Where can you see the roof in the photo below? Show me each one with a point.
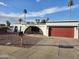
(61, 21)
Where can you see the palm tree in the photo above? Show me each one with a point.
(25, 12)
(70, 4)
(43, 21)
(8, 23)
(47, 19)
(37, 21)
(20, 20)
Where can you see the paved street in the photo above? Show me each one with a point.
(40, 47)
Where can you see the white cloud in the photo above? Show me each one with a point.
(9, 14)
(39, 13)
(38, 0)
(50, 11)
(3, 4)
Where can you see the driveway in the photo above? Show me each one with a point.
(46, 48)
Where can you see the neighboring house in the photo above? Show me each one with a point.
(3, 28)
(68, 29)
(2, 25)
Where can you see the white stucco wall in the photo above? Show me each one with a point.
(76, 33)
(45, 27)
(63, 24)
(74, 24)
(18, 25)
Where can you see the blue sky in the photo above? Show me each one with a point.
(38, 9)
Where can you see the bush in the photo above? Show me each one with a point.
(4, 29)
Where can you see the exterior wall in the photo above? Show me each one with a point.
(75, 24)
(42, 27)
(76, 33)
(47, 31)
(18, 25)
(63, 24)
(45, 27)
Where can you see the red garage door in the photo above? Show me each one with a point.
(61, 31)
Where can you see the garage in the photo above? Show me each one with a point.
(61, 31)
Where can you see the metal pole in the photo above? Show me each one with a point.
(59, 48)
(21, 41)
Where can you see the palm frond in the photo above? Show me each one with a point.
(70, 3)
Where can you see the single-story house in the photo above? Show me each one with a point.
(68, 29)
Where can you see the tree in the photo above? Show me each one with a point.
(43, 21)
(47, 19)
(25, 12)
(8, 23)
(20, 20)
(8, 26)
(70, 4)
(37, 20)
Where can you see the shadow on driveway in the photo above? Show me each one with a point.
(14, 40)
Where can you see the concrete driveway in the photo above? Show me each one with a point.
(50, 48)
